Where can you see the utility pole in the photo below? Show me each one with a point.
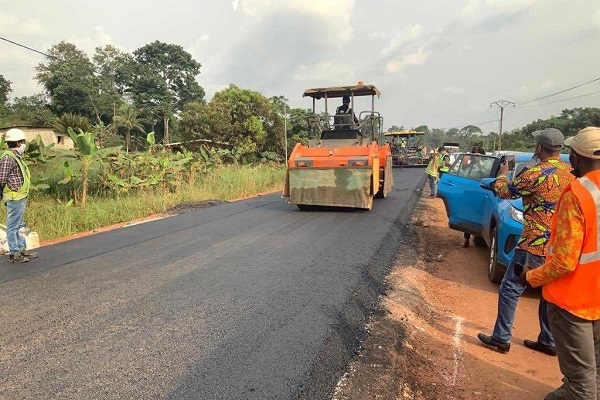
(285, 117)
(501, 104)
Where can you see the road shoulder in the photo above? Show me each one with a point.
(425, 346)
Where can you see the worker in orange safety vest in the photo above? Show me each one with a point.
(570, 276)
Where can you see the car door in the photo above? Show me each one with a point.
(463, 197)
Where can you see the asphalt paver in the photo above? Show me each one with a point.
(247, 300)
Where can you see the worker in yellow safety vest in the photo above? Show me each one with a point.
(433, 174)
(443, 161)
(15, 181)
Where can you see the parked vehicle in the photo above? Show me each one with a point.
(503, 220)
(472, 206)
(462, 194)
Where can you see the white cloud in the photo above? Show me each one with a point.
(99, 37)
(324, 73)
(15, 26)
(493, 15)
(336, 13)
(398, 38)
(452, 89)
(494, 7)
(400, 64)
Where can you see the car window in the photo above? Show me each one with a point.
(475, 166)
(456, 165)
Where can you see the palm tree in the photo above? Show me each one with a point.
(128, 118)
(69, 120)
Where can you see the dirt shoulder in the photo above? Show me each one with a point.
(426, 346)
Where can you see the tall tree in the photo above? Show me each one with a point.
(5, 89)
(246, 112)
(31, 110)
(161, 80)
(68, 77)
(107, 95)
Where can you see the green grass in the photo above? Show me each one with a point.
(51, 219)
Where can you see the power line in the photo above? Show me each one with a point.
(28, 48)
(560, 101)
(475, 124)
(562, 91)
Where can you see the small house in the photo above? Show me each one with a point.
(48, 135)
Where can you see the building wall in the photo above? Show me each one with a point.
(48, 137)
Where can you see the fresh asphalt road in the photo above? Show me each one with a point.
(246, 300)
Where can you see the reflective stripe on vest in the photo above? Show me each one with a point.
(23, 191)
(580, 289)
(595, 193)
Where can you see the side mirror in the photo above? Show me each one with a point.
(486, 183)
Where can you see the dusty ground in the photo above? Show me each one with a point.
(426, 346)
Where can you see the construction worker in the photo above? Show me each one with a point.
(570, 277)
(15, 182)
(540, 187)
(443, 161)
(432, 174)
(344, 114)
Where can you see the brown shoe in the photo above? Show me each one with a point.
(29, 254)
(17, 258)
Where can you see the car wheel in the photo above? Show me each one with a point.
(495, 272)
(479, 241)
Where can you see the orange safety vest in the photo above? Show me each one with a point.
(580, 289)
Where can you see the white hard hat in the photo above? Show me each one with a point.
(430, 151)
(14, 135)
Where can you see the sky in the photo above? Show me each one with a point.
(437, 62)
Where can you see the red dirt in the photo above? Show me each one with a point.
(427, 346)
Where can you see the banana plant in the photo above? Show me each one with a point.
(87, 153)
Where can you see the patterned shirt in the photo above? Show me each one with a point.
(540, 187)
(568, 242)
(10, 174)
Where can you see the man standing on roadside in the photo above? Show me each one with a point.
(540, 188)
(570, 277)
(443, 161)
(432, 174)
(14, 183)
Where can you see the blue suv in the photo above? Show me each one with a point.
(473, 207)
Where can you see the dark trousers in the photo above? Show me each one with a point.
(578, 347)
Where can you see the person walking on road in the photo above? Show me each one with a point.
(540, 188)
(570, 277)
(433, 175)
(14, 183)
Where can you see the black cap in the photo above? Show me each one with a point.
(346, 99)
(551, 138)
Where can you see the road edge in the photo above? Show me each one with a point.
(343, 343)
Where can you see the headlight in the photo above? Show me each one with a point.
(515, 214)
